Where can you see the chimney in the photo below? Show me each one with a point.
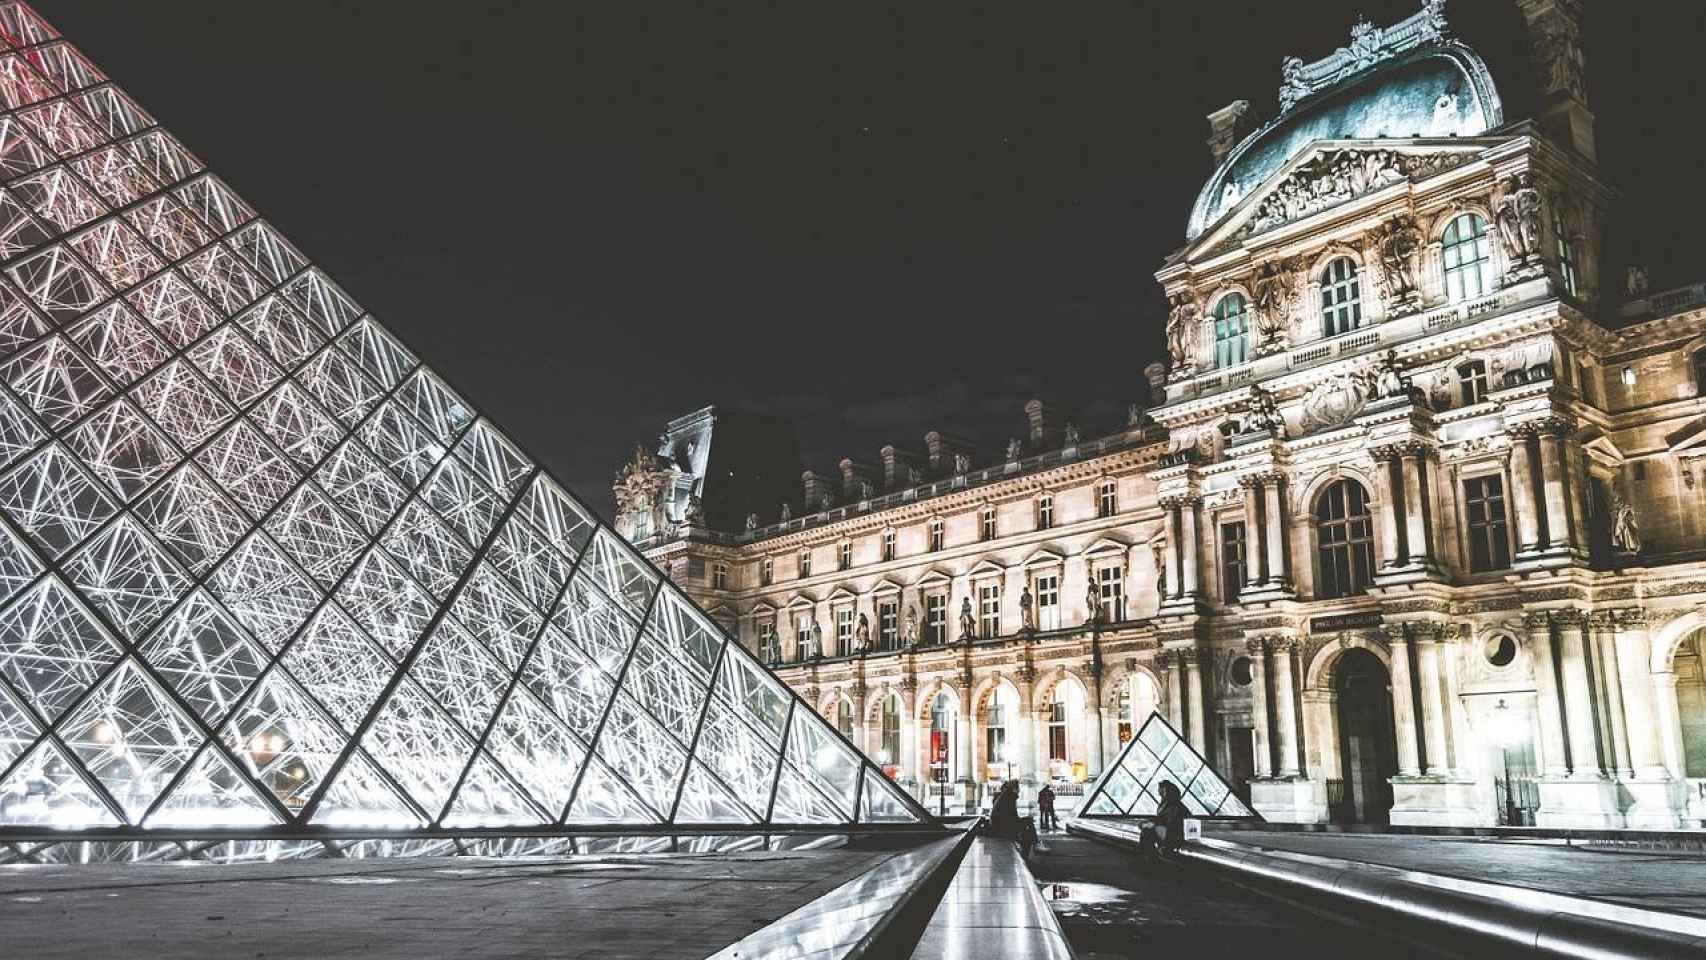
(1560, 71)
(944, 448)
(897, 467)
(1044, 424)
(1226, 127)
(858, 479)
(819, 491)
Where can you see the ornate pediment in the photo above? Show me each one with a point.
(1369, 45)
(1333, 177)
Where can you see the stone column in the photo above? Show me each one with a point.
(1024, 747)
(1434, 717)
(1641, 723)
(1175, 691)
(862, 721)
(963, 746)
(1170, 510)
(1418, 539)
(1198, 734)
(1255, 535)
(1274, 537)
(1556, 493)
(908, 759)
(1602, 644)
(1097, 745)
(1668, 720)
(1403, 702)
(1546, 697)
(1190, 554)
(1578, 696)
(1257, 651)
(1285, 709)
(1384, 458)
(1524, 503)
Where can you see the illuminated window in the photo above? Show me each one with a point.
(935, 535)
(1231, 331)
(1567, 269)
(936, 618)
(888, 625)
(1231, 560)
(1107, 499)
(1048, 601)
(1345, 535)
(843, 632)
(844, 717)
(1341, 298)
(1057, 729)
(805, 564)
(989, 610)
(1472, 381)
(889, 754)
(1045, 512)
(986, 524)
(769, 644)
(1110, 586)
(888, 544)
(767, 572)
(719, 576)
(1468, 255)
(846, 555)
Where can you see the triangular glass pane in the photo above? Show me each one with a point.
(666, 687)
(418, 745)
(340, 667)
(212, 794)
(531, 562)
(488, 799)
(704, 800)
(205, 657)
(604, 798)
(18, 565)
(686, 633)
(880, 801)
(291, 419)
(538, 750)
(1102, 806)
(493, 458)
(614, 566)
(422, 545)
(132, 738)
(460, 676)
(17, 730)
(374, 350)
(18, 431)
(263, 590)
(50, 648)
(360, 797)
(283, 741)
(53, 500)
(596, 624)
(1131, 785)
(759, 697)
(825, 759)
(497, 616)
(130, 579)
(470, 507)
(361, 486)
(386, 603)
(556, 515)
(799, 802)
(568, 682)
(648, 758)
(48, 792)
(738, 755)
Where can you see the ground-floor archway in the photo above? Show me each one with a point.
(1368, 747)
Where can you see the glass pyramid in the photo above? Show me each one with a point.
(1132, 785)
(260, 568)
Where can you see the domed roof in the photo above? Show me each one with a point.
(1401, 85)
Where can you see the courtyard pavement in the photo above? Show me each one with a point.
(604, 907)
(1652, 880)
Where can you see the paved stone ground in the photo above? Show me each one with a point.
(1111, 908)
(1673, 882)
(608, 908)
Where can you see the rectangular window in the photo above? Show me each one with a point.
(1045, 513)
(1057, 731)
(803, 637)
(1110, 586)
(995, 742)
(888, 625)
(936, 618)
(805, 564)
(766, 572)
(1048, 601)
(1108, 500)
(935, 535)
(769, 645)
(843, 631)
(1489, 543)
(1585, 380)
(1567, 269)
(986, 524)
(1472, 378)
(719, 576)
(989, 611)
(888, 544)
(846, 555)
(1232, 560)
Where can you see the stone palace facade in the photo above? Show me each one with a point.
(1412, 531)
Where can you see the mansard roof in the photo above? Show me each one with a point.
(1400, 82)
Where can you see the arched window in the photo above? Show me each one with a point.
(1468, 253)
(844, 717)
(1341, 298)
(1345, 533)
(941, 731)
(1231, 331)
(998, 763)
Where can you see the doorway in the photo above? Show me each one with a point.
(1242, 744)
(1368, 747)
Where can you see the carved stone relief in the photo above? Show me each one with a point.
(1341, 176)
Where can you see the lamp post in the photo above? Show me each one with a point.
(1504, 724)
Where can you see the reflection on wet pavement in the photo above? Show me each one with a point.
(1094, 903)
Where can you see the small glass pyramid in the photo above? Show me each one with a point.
(260, 568)
(1131, 787)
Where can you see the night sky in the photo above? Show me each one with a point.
(873, 221)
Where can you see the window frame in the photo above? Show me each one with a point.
(1341, 297)
(1569, 270)
(719, 576)
(766, 572)
(1234, 558)
(1231, 347)
(1472, 383)
(888, 545)
(888, 624)
(1346, 563)
(844, 555)
(986, 525)
(1488, 532)
(936, 618)
(1047, 587)
(1045, 512)
(936, 532)
(1107, 499)
(1479, 265)
(805, 562)
(1110, 591)
(769, 642)
(989, 609)
(844, 620)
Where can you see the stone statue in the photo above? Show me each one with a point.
(1399, 243)
(1274, 290)
(968, 623)
(787, 512)
(1636, 285)
(1134, 415)
(1558, 59)
(1025, 617)
(1518, 216)
(1334, 401)
(1625, 534)
(695, 511)
(1292, 85)
(1013, 449)
(1092, 604)
(862, 635)
(962, 463)
(751, 522)
(1261, 413)
(909, 627)
(1158, 550)
(817, 639)
(1389, 379)
(1182, 333)
(1071, 437)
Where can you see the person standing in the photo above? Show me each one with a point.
(1045, 808)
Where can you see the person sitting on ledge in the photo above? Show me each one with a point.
(1005, 822)
(1163, 835)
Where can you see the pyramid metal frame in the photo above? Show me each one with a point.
(263, 574)
(1130, 787)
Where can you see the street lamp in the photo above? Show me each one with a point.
(1504, 730)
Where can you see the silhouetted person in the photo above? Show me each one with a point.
(1045, 808)
(1166, 831)
(1005, 822)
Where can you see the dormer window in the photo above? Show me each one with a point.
(805, 564)
(1231, 330)
(766, 572)
(986, 524)
(1045, 512)
(1468, 255)
(1341, 298)
(846, 555)
(935, 535)
(1107, 499)
(888, 544)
